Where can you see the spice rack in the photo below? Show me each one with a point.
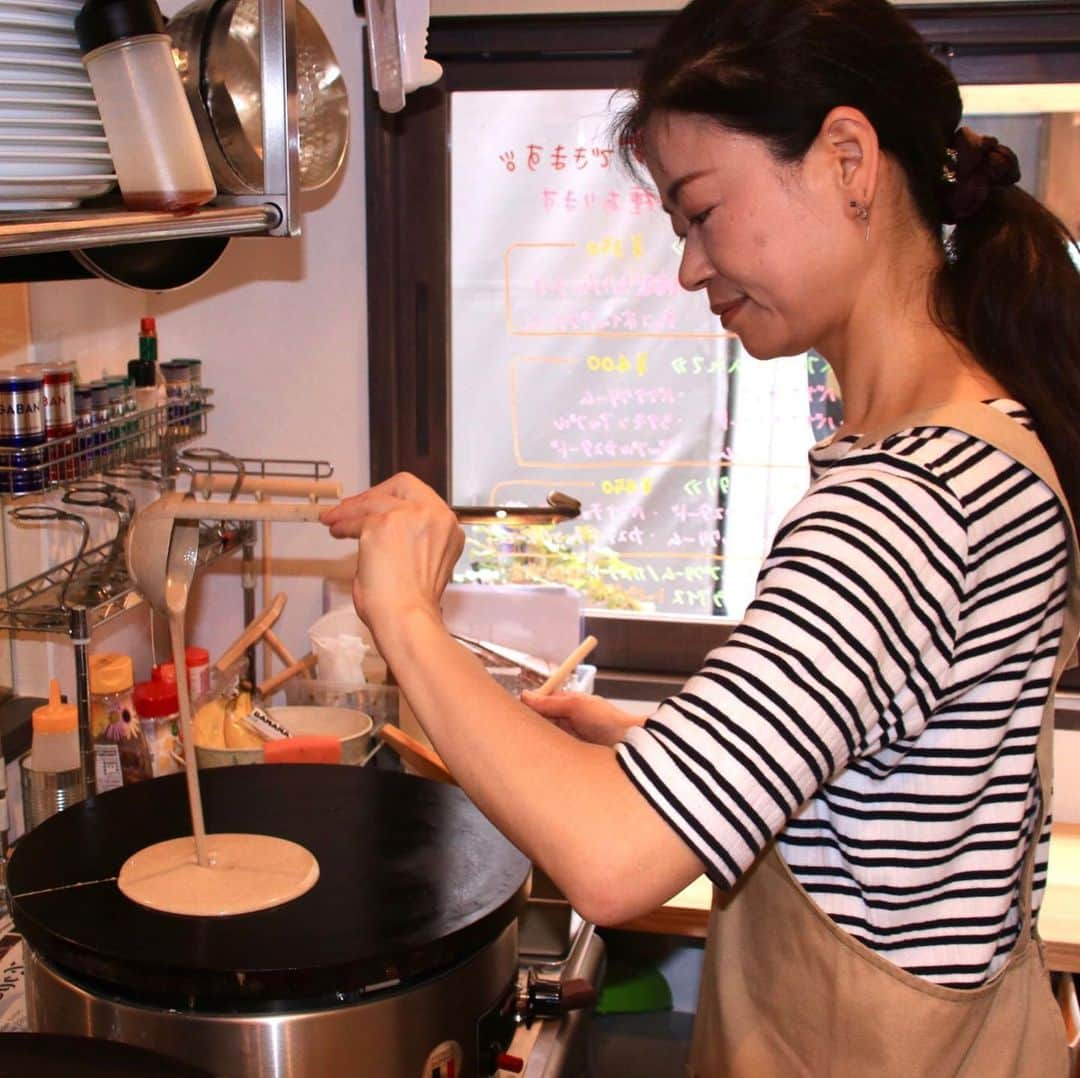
(121, 440)
(48, 602)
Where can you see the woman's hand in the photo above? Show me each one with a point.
(409, 539)
(590, 718)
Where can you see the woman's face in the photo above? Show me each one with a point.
(769, 243)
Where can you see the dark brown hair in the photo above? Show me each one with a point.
(1007, 289)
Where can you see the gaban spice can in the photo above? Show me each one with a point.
(22, 432)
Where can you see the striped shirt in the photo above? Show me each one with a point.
(878, 707)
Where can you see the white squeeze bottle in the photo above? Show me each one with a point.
(154, 143)
(55, 744)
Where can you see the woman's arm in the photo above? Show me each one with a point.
(565, 803)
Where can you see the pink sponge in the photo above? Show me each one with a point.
(304, 749)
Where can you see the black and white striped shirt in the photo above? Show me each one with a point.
(878, 706)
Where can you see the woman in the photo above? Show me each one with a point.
(863, 769)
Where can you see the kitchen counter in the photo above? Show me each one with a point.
(687, 914)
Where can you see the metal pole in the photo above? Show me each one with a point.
(247, 578)
(80, 637)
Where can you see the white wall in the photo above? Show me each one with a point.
(281, 328)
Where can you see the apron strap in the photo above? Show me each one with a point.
(997, 429)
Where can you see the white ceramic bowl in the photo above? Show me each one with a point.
(41, 110)
(15, 39)
(57, 21)
(37, 168)
(40, 64)
(69, 7)
(77, 187)
(51, 142)
(351, 726)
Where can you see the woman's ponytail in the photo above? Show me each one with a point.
(1010, 291)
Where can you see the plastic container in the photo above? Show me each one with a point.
(55, 743)
(381, 702)
(340, 641)
(198, 667)
(121, 752)
(155, 146)
(158, 708)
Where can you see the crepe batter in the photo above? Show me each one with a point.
(209, 875)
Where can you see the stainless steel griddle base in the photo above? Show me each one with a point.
(388, 1037)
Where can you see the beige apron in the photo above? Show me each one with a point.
(785, 991)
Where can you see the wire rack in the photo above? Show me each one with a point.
(135, 436)
(45, 603)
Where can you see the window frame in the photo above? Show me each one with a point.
(408, 215)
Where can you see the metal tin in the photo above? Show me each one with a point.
(58, 395)
(22, 432)
(102, 414)
(84, 424)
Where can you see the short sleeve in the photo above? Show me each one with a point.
(845, 650)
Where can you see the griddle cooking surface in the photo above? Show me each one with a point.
(412, 880)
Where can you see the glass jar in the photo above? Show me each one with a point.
(121, 752)
(159, 713)
(197, 661)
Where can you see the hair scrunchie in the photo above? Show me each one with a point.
(974, 164)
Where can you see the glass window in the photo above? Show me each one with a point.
(579, 364)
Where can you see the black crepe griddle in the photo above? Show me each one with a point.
(413, 879)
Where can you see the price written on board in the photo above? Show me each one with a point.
(614, 247)
(620, 364)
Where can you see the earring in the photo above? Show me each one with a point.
(862, 213)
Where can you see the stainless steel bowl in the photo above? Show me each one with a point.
(217, 47)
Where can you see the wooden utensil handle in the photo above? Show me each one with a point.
(258, 627)
(222, 483)
(271, 685)
(567, 666)
(295, 512)
(424, 761)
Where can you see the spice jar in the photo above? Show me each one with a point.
(177, 376)
(85, 420)
(159, 713)
(155, 146)
(121, 754)
(58, 400)
(22, 432)
(198, 667)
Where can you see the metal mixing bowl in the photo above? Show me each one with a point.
(217, 47)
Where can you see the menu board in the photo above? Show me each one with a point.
(579, 364)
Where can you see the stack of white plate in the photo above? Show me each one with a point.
(53, 152)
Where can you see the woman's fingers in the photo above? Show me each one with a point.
(592, 718)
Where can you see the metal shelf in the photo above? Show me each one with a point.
(122, 440)
(35, 605)
(274, 212)
(33, 234)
